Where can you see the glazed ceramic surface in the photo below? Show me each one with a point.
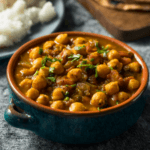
(72, 127)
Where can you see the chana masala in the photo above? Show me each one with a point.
(78, 73)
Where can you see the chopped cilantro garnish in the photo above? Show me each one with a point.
(66, 99)
(52, 79)
(36, 73)
(43, 67)
(67, 94)
(96, 73)
(51, 69)
(44, 61)
(87, 65)
(79, 47)
(92, 59)
(84, 62)
(100, 91)
(49, 59)
(73, 85)
(103, 51)
(75, 57)
(40, 51)
(55, 59)
(111, 68)
(117, 102)
(99, 109)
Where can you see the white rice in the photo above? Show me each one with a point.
(15, 22)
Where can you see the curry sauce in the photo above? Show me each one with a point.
(78, 73)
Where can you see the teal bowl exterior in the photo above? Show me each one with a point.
(72, 129)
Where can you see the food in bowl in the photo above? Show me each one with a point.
(78, 73)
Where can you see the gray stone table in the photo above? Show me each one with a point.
(136, 138)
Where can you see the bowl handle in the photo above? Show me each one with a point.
(18, 118)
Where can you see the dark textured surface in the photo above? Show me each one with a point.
(136, 138)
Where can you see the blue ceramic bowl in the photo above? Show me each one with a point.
(72, 127)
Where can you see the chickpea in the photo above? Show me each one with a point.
(122, 96)
(44, 72)
(62, 39)
(26, 83)
(58, 105)
(39, 82)
(109, 46)
(59, 69)
(133, 84)
(32, 93)
(98, 99)
(134, 67)
(28, 72)
(103, 70)
(58, 94)
(34, 53)
(112, 88)
(96, 58)
(113, 100)
(113, 54)
(75, 74)
(37, 63)
(82, 51)
(92, 109)
(64, 55)
(43, 99)
(77, 106)
(115, 64)
(48, 45)
(79, 40)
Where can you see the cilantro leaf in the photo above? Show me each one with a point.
(73, 85)
(100, 91)
(99, 109)
(52, 79)
(66, 99)
(96, 73)
(79, 47)
(117, 102)
(49, 59)
(84, 62)
(40, 51)
(111, 68)
(87, 65)
(74, 57)
(55, 59)
(66, 94)
(44, 61)
(51, 69)
(92, 59)
(103, 51)
(43, 67)
(36, 73)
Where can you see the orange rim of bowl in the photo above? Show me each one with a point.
(48, 109)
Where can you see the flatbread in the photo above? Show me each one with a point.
(134, 1)
(124, 6)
